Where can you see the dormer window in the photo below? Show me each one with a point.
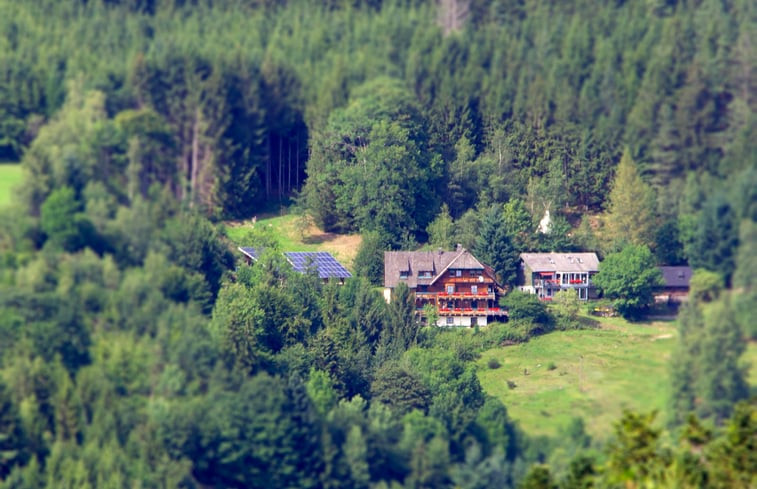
(424, 274)
(404, 274)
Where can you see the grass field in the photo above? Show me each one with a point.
(10, 177)
(593, 374)
(284, 229)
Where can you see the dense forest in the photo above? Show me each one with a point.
(138, 351)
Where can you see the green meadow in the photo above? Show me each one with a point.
(10, 178)
(292, 237)
(593, 374)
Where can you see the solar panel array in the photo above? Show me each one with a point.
(251, 252)
(323, 262)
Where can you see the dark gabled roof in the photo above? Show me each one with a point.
(463, 261)
(676, 276)
(301, 261)
(436, 262)
(561, 262)
(323, 262)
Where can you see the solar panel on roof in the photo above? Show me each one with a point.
(325, 264)
(249, 251)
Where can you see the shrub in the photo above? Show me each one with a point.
(523, 306)
(551, 366)
(511, 385)
(493, 363)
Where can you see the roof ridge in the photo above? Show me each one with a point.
(459, 254)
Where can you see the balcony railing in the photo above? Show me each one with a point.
(465, 280)
(464, 295)
(469, 311)
(557, 283)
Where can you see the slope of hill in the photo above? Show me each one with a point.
(592, 374)
(291, 238)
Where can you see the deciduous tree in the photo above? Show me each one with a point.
(629, 278)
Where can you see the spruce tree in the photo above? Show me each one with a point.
(12, 436)
(707, 376)
(494, 247)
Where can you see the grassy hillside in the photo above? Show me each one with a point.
(285, 230)
(10, 177)
(593, 374)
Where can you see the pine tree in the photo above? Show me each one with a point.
(707, 377)
(630, 217)
(494, 247)
(12, 437)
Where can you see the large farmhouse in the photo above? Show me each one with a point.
(462, 290)
(545, 274)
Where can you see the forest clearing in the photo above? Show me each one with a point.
(284, 229)
(10, 177)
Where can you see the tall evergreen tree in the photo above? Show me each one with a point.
(13, 446)
(494, 247)
(630, 217)
(715, 238)
(707, 376)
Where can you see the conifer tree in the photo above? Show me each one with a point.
(630, 217)
(707, 376)
(494, 247)
(12, 437)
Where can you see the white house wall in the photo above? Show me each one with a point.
(461, 321)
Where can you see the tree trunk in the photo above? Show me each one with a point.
(268, 169)
(195, 158)
(281, 163)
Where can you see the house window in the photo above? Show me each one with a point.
(450, 321)
(474, 289)
(473, 321)
(565, 278)
(582, 293)
(424, 274)
(450, 289)
(458, 273)
(403, 275)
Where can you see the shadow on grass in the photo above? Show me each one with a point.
(320, 238)
(588, 323)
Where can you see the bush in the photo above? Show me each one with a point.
(551, 366)
(493, 363)
(521, 305)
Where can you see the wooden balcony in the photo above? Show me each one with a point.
(466, 280)
(466, 295)
(557, 284)
(468, 311)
